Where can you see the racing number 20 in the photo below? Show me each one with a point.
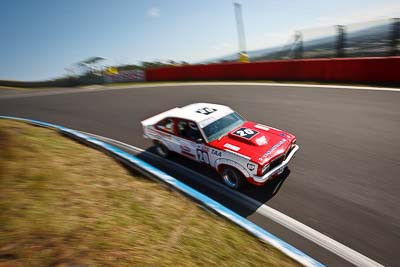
(202, 156)
(245, 133)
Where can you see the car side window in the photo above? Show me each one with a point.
(189, 130)
(166, 125)
(182, 128)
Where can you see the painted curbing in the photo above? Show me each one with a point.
(211, 204)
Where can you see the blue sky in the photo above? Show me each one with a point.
(39, 39)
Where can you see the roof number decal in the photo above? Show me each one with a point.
(245, 133)
(206, 110)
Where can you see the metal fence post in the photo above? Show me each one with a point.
(394, 38)
(340, 40)
(298, 40)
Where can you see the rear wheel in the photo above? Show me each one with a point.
(232, 177)
(161, 149)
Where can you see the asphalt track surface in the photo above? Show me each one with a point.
(344, 181)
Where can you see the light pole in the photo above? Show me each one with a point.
(243, 57)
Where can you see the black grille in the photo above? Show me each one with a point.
(276, 162)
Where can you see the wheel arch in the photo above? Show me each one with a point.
(220, 163)
(155, 141)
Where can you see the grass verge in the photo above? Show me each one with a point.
(65, 204)
(13, 88)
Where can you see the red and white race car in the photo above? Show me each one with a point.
(216, 135)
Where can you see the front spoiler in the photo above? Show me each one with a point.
(277, 169)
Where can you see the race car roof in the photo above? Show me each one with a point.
(201, 113)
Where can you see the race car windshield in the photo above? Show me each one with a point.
(223, 126)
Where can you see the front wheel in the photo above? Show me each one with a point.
(161, 149)
(232, 177)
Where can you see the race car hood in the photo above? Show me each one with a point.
(255, 141)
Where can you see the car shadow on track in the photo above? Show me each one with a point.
(262, 194)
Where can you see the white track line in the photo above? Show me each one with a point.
(320, 239)
(257, 84)
(85, 90)
(303, 230)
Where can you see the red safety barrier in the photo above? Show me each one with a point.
(370, 70)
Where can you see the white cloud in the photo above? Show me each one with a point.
(153, 12)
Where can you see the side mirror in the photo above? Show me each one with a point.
(199, 140)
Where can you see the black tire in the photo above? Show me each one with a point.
(161, 150)
(232, 177)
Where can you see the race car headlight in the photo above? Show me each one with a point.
(293, 143)
(265, 168)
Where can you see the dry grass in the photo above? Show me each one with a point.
(62, 203)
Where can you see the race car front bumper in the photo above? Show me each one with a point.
(278, 169)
